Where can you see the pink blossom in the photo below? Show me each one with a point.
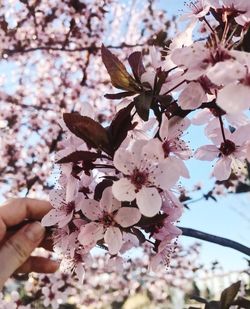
(142, 177)
(107, 218)
(198, 9)
(171, 149)
(231, 153)
(62, 212)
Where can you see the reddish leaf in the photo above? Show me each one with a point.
(229, 294)
(100, 187)
(120, 126)
(135, 61)
(143, 103)
(79, 156)
(120, 78)
(118, 96)
(88, 130)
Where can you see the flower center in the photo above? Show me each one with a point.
(217, 112)
(139, 179)
(166, 148)
(218, 55)
(107, 219)
(227, 147)
(70, 207)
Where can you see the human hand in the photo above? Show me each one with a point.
(16, 247)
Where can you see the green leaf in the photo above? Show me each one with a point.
(88, 130)
(143, 103)
(229, 294)
(120, 78)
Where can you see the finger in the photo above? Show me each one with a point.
(47, 243)
(38, 264)
(16, 210)
(17, 249)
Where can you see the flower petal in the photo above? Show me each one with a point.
(234, 98)
(108, 202)
(91, 209)
(222, 168)
(164, 127)
(206, 153)
(90, 233)
(123, 161)
(113, 238)
(51, 218)
(123, 190)
(165, 175)
(127, 216)
(149, 201)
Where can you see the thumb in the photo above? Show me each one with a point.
(16, 250)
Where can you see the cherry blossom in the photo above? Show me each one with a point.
(142, 178)
(107, 220)
(231, 152)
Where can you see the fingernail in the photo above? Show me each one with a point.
(34, 231)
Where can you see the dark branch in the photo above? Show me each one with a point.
(91, 48)
(215, 239)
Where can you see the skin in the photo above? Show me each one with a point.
(20, 233)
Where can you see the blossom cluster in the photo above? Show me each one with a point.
(49, 65)
(118, 186)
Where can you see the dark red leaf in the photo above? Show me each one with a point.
(100, 187)
(228, 295)
(120, 78)
(120, 126)
(78, 156)
(88, 130)
(143, 103)
(118, 96)
(135, 61)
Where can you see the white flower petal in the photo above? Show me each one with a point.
(149, 201)
(123, 190)
(164, 127)
(206, 153)
(90, 233)
(234, 98)
(192, 96)
(91, 209)
(113, 238)
(165, 175)
(222, 168)
(123, 161)
(108, 202)
(127, 216)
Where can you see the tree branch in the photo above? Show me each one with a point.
(91, 48)
(215, 239)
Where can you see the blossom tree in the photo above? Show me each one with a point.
(121, 159)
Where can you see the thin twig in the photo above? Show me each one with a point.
(215, 239)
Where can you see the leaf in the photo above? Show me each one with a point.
(120, 78)
(119, 95)
(229, 294)
(79, 156)
(213, 305)
(88, 130)
(135, 61)
(242, 302)
(100, 187)
(143, 103)
(120, 126)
